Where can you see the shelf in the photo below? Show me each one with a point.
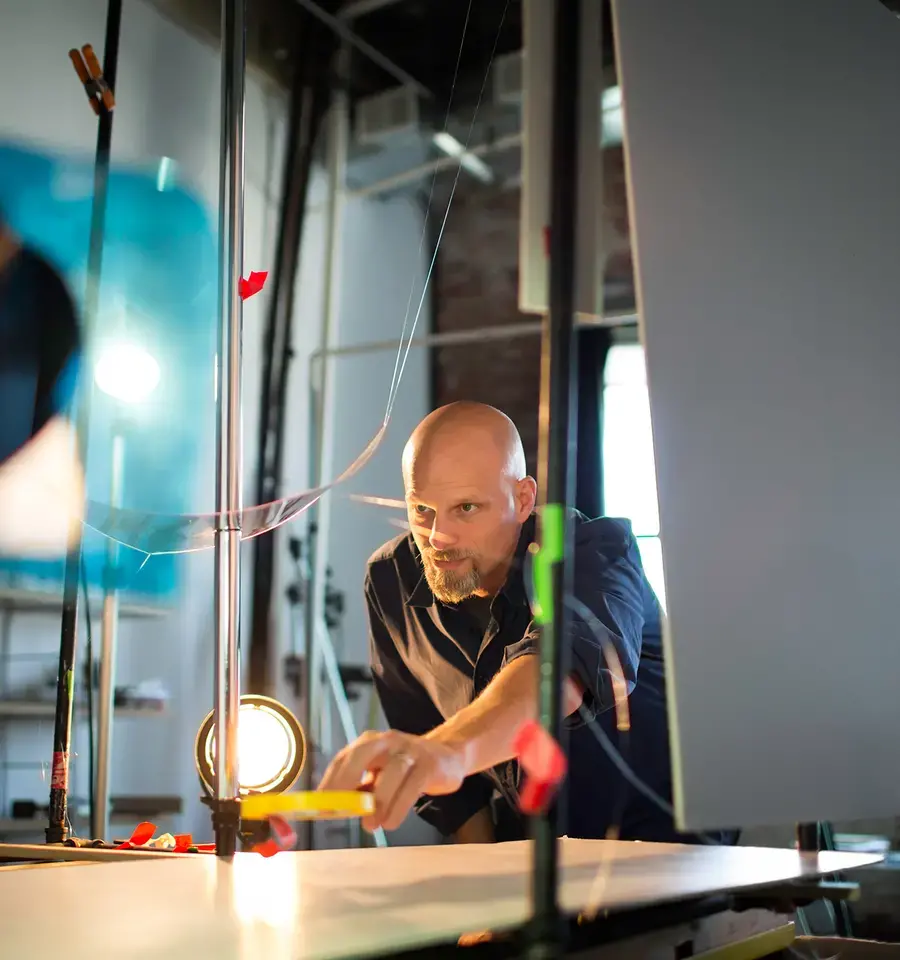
(14, 709)
(18, 600)
(24, 825)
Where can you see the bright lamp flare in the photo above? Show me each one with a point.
(126, 372)
(270, 747)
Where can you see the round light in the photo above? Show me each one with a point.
(126, 372)
(271, 747)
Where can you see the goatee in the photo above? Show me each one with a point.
(451, 586)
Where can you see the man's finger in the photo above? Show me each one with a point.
(407, 792)
(397, 770)
(351, 764)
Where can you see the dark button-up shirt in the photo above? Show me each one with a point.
(38, 346)
(431, 659)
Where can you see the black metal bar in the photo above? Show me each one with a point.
(307, 107)
(558, 413)
(812, 838)
(57, 828)
(366, 49)
(808, 837)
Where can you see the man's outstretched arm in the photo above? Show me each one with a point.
(401, 767)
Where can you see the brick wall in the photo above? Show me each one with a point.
(477, 286)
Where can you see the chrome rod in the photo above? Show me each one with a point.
(229, 455)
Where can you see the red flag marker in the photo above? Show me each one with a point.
(544, 763)
(252, 285)
(143, 834)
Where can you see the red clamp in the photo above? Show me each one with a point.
(544, 763)
(282, 838)
(253, 284)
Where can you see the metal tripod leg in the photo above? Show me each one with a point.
(341, 702)
(332, 671)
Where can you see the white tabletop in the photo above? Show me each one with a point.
(333, 904)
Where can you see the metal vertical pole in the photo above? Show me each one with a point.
(321, 433)
(58, 818)
(109, 630)
(229, 466)
(557, 447)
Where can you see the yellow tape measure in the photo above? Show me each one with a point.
(309, 805)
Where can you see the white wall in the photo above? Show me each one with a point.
(168, 105)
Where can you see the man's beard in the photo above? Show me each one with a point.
(451, 586)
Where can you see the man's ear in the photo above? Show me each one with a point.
(526, 496)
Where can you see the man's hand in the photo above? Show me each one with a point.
(398, 768)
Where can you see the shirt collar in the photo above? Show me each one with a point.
(513, 589)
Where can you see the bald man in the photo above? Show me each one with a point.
(453, 649)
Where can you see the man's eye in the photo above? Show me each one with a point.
(467, 507)
(421, 508)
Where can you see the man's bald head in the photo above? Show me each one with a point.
(467, 494)
(477, 432)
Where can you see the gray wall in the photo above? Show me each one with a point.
(762, 142)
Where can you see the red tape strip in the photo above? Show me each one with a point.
(59, 772)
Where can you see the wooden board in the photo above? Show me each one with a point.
(766, 222)
(334, 904)
(55, 852)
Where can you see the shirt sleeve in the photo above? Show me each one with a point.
(606, 622)
(407, 707)
(60, 343)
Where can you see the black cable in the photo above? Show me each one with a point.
(89, 657)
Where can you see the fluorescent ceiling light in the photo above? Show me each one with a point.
(448, 144)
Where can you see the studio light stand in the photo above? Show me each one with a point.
(225, 802)
(340, 679)
(272, 751)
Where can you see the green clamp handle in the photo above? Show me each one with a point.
(545, 555)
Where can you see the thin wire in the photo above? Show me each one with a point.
(412, 285)
(437, 245)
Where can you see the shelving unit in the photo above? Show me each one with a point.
(17, 600)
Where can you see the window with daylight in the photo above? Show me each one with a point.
(629, 477)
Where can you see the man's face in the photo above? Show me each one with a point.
(465, 514)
